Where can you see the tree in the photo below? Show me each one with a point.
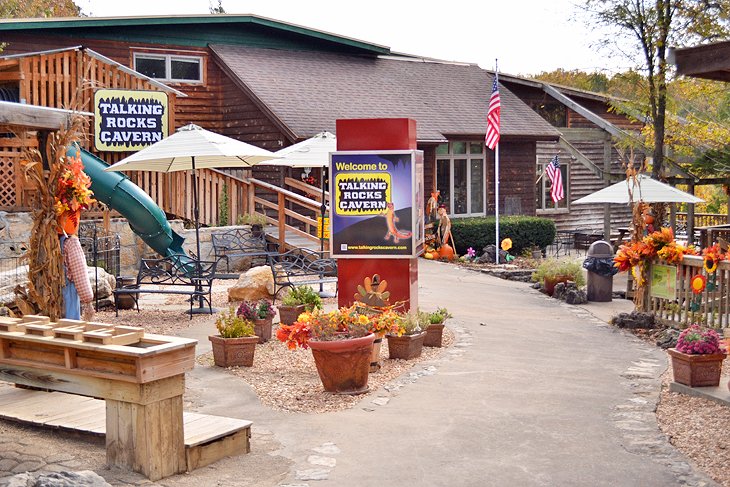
(216, 10)
(648, 28)
(19, 9)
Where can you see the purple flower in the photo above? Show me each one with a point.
(471, 252)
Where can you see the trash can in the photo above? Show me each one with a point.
(599, 264)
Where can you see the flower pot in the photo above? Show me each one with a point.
(537, 254)
(69, 221)
(289, 314)
(696, 370)
(125, 301)
(550, 282)
(343, 365)
(256, 229)
(262, 329)
(434, 335)
(406, 347)
(230, 352)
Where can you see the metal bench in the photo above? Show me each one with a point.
(241, 243)
(171, 275)
(299, 267)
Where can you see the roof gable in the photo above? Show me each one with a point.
(195, 30)
(308, 92)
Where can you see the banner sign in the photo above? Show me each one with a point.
(375, 207)
(129, 120)
(663, 281)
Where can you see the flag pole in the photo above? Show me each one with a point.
(496, 185)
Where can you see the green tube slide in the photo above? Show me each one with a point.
(118, 192)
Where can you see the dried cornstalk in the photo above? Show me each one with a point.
(45, 263)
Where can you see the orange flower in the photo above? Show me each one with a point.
(698, 283)
(712, 256)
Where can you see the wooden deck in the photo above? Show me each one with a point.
(207, 438)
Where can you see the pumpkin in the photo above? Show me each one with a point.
(446, 252)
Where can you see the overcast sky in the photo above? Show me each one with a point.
(527, 36)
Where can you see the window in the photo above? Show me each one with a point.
(460, 177)
(167, 67)
(555, 113)
(544, 201)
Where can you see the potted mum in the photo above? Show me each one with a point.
(697, 358)
(341, 343)
(433, 324)
(296, 301)
(261, 313)
(552, 271)
(407, 342)
(236, 342)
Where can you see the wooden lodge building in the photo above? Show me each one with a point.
(272, 84)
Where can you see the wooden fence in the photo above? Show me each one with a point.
(703, 219)
(714, 306)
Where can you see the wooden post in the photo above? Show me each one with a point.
(282, 222)
(607, 150)
(690, 214)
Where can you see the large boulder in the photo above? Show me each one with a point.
(107, 282)
(84, 478)
(255, 283)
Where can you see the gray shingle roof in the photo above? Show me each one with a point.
(308, 91)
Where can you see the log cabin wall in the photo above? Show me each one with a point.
(516, 178)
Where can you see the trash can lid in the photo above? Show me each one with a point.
(600, 249)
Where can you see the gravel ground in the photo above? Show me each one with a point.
(696, 427)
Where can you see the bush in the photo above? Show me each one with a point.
(302, 295)
(525, 232)
(555, 268)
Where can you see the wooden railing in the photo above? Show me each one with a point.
(703, 219)
(714, 306)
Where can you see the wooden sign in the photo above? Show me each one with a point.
(129, 120)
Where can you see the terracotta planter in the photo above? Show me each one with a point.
(406, 347)
(262, 329)
(230, 352)
(696, 370)
(549, 283)
(289, 314)
(434, 335)
(344, 365)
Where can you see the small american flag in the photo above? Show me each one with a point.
(492, 136)
(557, 192)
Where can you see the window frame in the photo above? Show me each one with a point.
(169, 58)
(451, 157)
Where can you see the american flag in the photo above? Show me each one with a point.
(557, 192)
(492, 136)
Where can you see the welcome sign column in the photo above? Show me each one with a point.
(376, 183)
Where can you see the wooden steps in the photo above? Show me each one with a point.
(207, 438)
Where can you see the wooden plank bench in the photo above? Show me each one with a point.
(299, 267)
(142, 384)
(171, 275)
(241, 243)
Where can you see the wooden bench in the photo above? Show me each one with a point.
(241, 243)
(299, 267)
(142, 382)
(171, 275)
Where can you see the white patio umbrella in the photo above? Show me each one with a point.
(190, 148)
(646, 189)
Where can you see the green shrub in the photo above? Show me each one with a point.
(554, 268)
(525, 232)
(231, 326)
(302, 295)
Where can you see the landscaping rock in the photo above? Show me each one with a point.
(256, 283)
(570, 293)
(667, 338)
(107, 282)
(489, 256)
(85, 478)
(634, 320)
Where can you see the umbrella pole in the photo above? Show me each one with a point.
(196, 215)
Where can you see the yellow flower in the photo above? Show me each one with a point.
(506, 244)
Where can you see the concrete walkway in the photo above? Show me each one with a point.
(533, 393)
